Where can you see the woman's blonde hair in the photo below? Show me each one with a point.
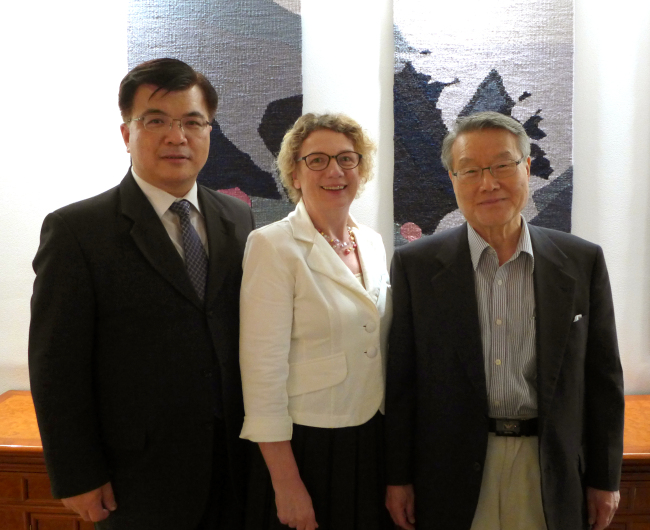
(307, 124)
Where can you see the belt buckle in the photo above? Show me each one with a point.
(508, 427)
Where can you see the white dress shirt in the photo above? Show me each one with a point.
(506, 307)
(161, 201)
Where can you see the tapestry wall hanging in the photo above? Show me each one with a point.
(456, 58)
(251, 52)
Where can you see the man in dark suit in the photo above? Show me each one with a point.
(504, 406)
(133, 349)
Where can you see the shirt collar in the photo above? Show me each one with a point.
(477, 245)
(161, 200)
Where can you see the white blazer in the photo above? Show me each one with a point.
(313, 339)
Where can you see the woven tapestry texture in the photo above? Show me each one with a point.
(251, 52)
(456, 58)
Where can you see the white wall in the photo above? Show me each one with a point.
(611, 202)
(63, 144)
(62, 65)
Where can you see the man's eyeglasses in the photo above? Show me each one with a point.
(160, 123)
(319, 161)
(499, 171)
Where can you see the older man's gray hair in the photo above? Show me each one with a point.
(480, 121)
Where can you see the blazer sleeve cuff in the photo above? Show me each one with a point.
(267, 429)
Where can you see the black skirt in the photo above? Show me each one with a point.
(343, 471)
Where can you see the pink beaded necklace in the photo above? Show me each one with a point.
(341, 246)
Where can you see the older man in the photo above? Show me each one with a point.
(504, 405)
(133, 350)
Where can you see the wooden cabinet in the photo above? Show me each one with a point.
(634, 508)
(26, 502)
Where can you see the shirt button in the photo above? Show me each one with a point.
(499, 282)
(372, 352)
(497, 402)
(370, 327)
(477, 466)
(499, 321)
(498, 362)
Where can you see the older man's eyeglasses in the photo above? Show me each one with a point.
(319, 161)
(160, 123)
(500, 170)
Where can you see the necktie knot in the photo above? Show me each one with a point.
(181, 208)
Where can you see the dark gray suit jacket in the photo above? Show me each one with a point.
(122, 353)
(436, 403)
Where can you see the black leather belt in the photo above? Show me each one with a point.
(507, 427)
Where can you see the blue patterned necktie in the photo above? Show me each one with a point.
(196, 259)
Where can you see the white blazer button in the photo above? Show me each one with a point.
(372, 352)
(370, 327)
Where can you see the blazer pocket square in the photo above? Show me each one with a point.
(577, 317)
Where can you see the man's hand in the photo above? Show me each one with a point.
(400, 501)
(294, 505)
(601, 507)
(95, 505)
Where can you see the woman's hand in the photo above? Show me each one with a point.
(294, 505)
(291, 496)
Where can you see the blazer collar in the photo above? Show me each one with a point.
(323, 259)
(152, 239)
(372, 257)
(555, 309)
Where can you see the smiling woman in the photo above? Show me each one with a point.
(315, 312)
(289, 157)
(328, 191)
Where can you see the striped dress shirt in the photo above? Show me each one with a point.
(506, 308)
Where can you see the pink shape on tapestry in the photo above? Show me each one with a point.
(236, 192)
(410, 231)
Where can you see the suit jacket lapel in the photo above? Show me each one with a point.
(152, 239)
(453, 285)
(220, 236)
(554, 307)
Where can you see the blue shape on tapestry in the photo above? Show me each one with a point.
(531, 126)
(490, 95)
(554, 203)
(229, 167)
(540, 166)
(278, 118)
(422, 190)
